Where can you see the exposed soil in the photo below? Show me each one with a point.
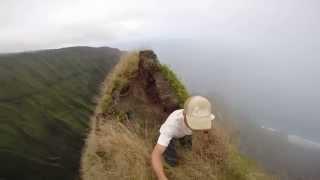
(146, 100)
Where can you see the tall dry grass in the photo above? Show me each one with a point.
(126, 68)
(116, 151)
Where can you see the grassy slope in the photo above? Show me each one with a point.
(45, 103)
(119, 148)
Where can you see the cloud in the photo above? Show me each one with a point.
(45, 24)
(34, 24)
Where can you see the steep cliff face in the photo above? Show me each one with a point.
(138, 96)
(157, 87)
(45, 103)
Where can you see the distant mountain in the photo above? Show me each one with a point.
(46, 99)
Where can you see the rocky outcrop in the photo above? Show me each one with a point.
(140, 94)
(155, 84)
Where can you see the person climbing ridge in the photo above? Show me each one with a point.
(196, 116)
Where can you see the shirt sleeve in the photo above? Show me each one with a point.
(164, 140)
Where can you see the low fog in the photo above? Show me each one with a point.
(258, 60)
(276, 87)
(260, 64)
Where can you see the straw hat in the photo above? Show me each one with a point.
(198, 113)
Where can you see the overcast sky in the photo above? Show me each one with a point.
(39, 24)
(262, 55)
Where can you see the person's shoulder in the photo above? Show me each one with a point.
(177, 113)
(172, 122)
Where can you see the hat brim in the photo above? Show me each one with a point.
(200, 123)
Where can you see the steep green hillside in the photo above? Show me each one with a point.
(46, 99)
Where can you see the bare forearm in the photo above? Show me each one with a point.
(158, 167)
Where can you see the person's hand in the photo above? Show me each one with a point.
(156, 161)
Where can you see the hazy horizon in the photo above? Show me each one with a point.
(274, 93)
(257, 57)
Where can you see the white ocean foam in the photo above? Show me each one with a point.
(303, 142)
(269, 129)
(297, 140)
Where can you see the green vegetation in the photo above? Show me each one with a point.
(119, 141)
(119, 77)
(179, 89)
(241, 168)
(46, 99)
(236, 166)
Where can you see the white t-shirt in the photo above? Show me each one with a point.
(173, 127)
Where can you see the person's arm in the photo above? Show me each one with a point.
(156, 160)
